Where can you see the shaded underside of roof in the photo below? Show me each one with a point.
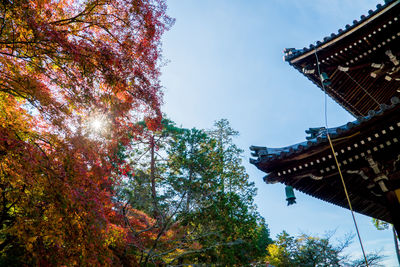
(310, 167)
(361, 61)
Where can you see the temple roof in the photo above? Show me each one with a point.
(291, 53)
(309, 166)
(317, 137)
(361, 61)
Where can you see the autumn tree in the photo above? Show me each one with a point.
(75, 77)
(307, 250)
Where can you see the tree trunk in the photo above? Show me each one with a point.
(189, 192)
(153, 179)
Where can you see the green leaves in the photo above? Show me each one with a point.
(195, 181)
(306, 250)
(380, 225)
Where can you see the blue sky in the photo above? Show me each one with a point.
(225, 61)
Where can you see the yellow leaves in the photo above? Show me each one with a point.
(29, 244)
(169, 257)
(116, 235)
(15, 123)
(274, 254)
(29, 247)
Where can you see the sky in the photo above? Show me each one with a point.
(225, 60)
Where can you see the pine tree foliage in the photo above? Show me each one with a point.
(202, 200)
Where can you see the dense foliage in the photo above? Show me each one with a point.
(64, 67)
(197, 196)
(90, 173)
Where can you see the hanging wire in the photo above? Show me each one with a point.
(336, 160)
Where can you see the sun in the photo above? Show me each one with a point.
(97, 124)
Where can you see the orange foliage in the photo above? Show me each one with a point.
(142, 232)
(61, 63)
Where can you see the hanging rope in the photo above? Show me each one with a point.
(334, 156)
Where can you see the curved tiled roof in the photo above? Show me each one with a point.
(317, 136)
(349, 59)
(312, 168)
(291, 53)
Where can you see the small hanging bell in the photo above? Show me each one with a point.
(290, 198)
(325, 78)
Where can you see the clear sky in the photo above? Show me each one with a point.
(226, 61)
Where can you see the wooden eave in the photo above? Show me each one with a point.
(356, 49)
(313, 170)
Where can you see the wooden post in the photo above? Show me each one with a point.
(394, 209)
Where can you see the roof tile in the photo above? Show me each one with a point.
(317, 136)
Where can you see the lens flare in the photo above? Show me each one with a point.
(97, 125)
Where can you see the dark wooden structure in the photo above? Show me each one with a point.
(361, 60)
(360, 67)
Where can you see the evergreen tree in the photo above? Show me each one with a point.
(201, 192)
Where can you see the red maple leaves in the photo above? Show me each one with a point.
(61, 62)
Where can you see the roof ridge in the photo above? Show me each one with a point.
(318, 135)
(290, 53)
